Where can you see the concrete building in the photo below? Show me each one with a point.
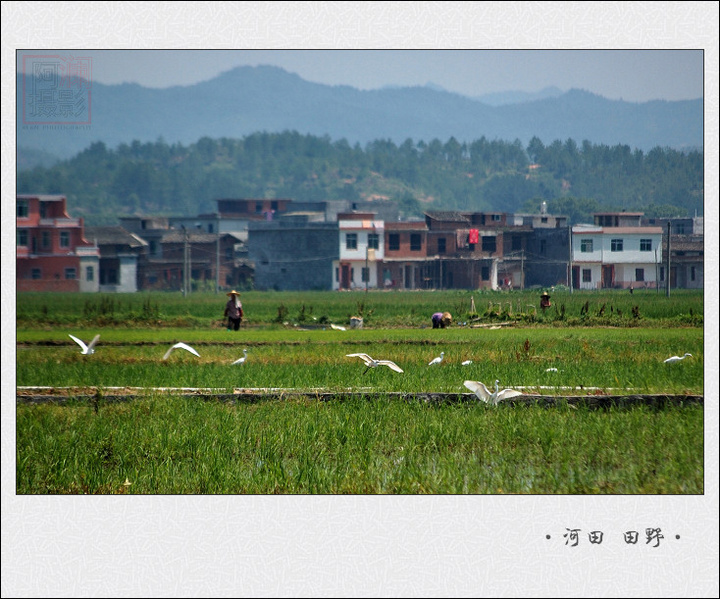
(361, 247)
(620, 255)
(52, 253)
(120, 251)
(293, 253)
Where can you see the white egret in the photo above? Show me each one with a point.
(372, 363)
(551, 370)
(437, 360)
(337, 327)
(241, 360)
(484, 394)
(180, 345)
(86, 349)
(467, 363)
(672, 359)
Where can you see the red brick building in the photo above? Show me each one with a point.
(52, 253)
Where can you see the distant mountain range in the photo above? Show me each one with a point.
(246, 100)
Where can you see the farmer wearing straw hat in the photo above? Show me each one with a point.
(233, 311)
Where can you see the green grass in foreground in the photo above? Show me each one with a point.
(172, 445)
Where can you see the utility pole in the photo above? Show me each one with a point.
(217, 255)
(667, 274)
(570, 281)
(185, 261)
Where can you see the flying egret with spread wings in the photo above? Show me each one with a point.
(484, 394)
(180, 345)
(372, 363)
(437, 360)
(86, 349)
(673, 359)
(241, 360)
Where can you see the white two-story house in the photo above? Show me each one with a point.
(616, 256)
(362, 250)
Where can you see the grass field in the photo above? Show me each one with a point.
(165, 443)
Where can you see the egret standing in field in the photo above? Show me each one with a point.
(241, 360)
(86, 349)
(674, 359)
(180, 346)
(467, 363)
(372, 363)
(484, 394)
(437, 360)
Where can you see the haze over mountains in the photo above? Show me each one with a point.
(246, 100)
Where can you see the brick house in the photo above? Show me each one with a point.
(52, 253)
(202, 255)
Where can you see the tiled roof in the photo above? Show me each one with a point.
(448, 216)
(113, 235)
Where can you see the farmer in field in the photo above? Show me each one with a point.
(234, 311)
(545, 301)
(441, 320)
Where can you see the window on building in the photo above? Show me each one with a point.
(543, 219)
(351, 241)
(70, 273)
(496, 217)
(441, 245)
(258, 208)
(485, 273)
(488, 243)
(415, 242)
(45, 239)
(36, 274)
(516, 243)
(64, 239)
(394, 241)
(373, 241)
(22, 238)
(646, 245)
(587, 275)
(89, 273)
(22, 209)
(639, 274)
(692, 273)
(616, 245)
(365, 274)
(586, 245)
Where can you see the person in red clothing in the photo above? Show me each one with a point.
(234, 311)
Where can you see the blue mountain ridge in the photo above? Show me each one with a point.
(246, 100)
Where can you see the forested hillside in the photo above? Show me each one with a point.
(574, 178)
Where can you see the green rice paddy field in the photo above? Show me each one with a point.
(319, 423)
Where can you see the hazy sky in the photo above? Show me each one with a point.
(632, 75)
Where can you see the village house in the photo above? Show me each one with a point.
(616, 252)
(405, 255)
(52, 252)
(361, 249)
(120, 251)
(293, 253)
